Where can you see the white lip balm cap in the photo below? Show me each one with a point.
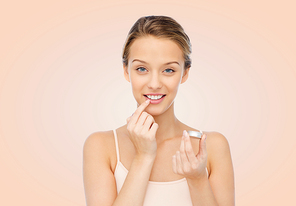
(195, 134)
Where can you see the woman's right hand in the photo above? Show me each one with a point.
(142, 129)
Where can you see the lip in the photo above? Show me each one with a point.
(155, 101)
(154, 94)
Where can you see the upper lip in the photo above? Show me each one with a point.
(155, 94)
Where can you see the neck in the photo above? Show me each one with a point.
(168, 125)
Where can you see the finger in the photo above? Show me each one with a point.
(188, 148)
(138, 112)
(174, 164)
(153, 129)
(183, 155)
(202, 145)
(179, 163)
(142, 119)
(148, 123)
(128, 119)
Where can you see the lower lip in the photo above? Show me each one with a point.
(154, 101)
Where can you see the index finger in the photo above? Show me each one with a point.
(189, 149)
(138, 112)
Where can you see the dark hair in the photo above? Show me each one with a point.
(160, 27)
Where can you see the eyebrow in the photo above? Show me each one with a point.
(172, 62)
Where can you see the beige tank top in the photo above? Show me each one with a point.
(172, 193)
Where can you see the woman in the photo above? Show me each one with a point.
(151, 160)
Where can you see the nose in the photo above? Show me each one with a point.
(154, 82)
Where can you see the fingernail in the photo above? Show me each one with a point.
(184, 133)
(147, 101)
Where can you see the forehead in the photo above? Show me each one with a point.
(154, 49)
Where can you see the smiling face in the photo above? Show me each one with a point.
(155, 70)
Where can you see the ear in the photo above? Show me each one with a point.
(185, 75)
(125, 72)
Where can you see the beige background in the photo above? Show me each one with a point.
(61, 79)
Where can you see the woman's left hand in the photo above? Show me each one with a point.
(186, 163)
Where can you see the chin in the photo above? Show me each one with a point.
(154, 112)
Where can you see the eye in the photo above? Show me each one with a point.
(141, 69)
(169, 70)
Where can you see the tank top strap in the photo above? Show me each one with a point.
(116, 145)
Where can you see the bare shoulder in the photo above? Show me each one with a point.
(217, 147)
(98, 136)
(95, 136)
(217, 141)
(98, 141)
(98, 177)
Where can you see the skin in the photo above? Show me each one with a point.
(152, 143)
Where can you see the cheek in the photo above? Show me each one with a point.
(136, 83)
(174, 83)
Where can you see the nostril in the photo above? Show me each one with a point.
(155, 84)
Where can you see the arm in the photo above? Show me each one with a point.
(135, 185)
(142, 128)
(99, 181)
(218, 189)
(98, 178)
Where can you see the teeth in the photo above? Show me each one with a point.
(154, 96)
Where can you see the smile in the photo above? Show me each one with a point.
(155, 99)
